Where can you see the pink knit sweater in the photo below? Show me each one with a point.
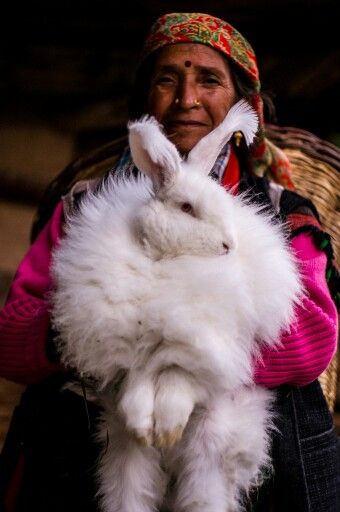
(304, 353)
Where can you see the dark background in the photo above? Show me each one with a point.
(66, 69)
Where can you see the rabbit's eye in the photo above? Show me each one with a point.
(187, 208)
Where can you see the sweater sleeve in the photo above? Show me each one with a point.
(307, 349)
(24, 320)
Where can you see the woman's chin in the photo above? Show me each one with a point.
(186, 144)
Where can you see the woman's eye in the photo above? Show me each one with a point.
(210, 80)
(165, 80)
(187, 208)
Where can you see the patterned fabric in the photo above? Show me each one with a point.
(201, 28)
(220, 165)
(204, 29)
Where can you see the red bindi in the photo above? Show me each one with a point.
(187, 63)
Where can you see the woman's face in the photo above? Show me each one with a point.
(191, 92)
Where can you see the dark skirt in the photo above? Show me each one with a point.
(50, 454)
(305, 454)
(50, 438)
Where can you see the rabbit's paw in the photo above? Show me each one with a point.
(167, 439)
(143, 437)
(174, 402)
(136, 406)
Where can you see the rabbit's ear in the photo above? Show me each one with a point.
(152, 152)
(241, 117)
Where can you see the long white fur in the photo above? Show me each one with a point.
(145, 288)
(241, 117)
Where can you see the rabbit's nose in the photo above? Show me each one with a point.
(225, 248)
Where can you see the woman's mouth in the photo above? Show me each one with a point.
(184, 124)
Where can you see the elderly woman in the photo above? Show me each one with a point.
(194, 68)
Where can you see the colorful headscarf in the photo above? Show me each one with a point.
(205, 29)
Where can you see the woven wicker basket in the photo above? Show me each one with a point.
(316, 166)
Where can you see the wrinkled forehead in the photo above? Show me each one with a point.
(190, 57)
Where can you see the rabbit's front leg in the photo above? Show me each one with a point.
(137, 406)
(175, 399)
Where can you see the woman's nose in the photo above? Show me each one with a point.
(187, 96)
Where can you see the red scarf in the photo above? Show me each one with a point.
(231, 176)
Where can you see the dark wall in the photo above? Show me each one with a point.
(66, 67)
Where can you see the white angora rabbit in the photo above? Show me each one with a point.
(176, 284)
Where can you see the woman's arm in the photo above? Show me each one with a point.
(310, 345)
(25, 319)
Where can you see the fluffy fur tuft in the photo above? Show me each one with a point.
(241, 117)
(180, 299)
